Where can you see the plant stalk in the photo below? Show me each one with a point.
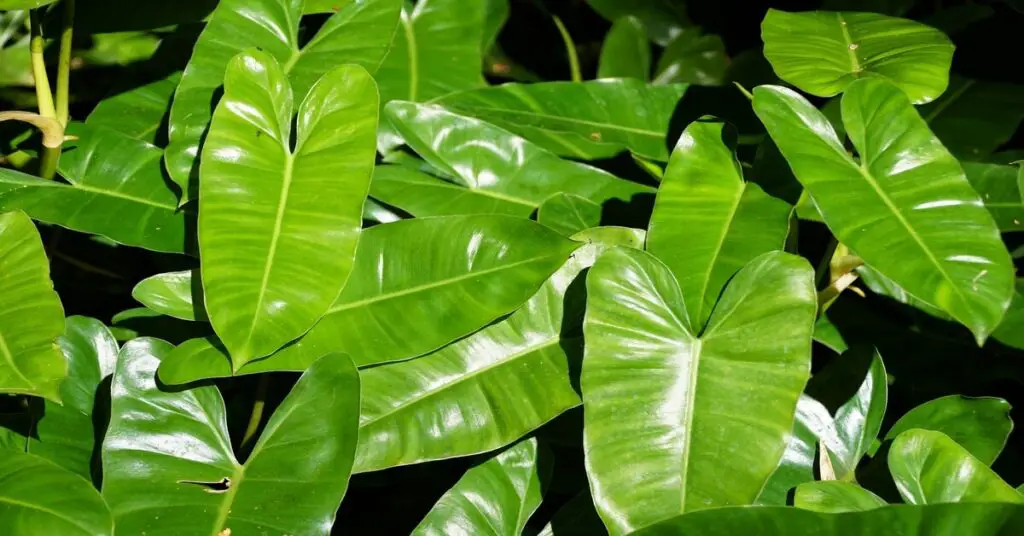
(64, 64)
(256, 417)
(48, 154)
(570, 50)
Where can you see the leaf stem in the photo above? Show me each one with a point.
(570, 50)
(44, 96)
(64, 63)
(256, 417)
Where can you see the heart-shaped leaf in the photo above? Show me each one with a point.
(294, 213)
(833, 497)
(980, 425)
(39, 498)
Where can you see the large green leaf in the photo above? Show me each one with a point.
(999, 189)
(626, 52)
(117, 190)
(437, 50)
(168, 467)
(479, 393)
(663, 19)
(496, 497)
(505, 166)
(31, 316)
(974, 117)
(707, 222)
(64, 433)
(812, 423)
(833, 497)
(139, 113)
(980, 425)
(172, 294)
(416, 286)
(588, 120)
(569, 214)
(905, 207)
(929, 468)
(39, 498)
(424, 195)
(293, 214)
(859, 420)
(823, 52)
(359, 33)
(905, 520)
(665, 430)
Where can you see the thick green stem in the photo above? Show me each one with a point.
(64, 64)
(570, 50)
(44, 96)
(256, 417)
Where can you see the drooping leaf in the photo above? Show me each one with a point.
(39, 498)
(929, 468)
(664, 432)
(64, 433)
(834, 497)
(569, 214)
(496, 497)
(859, 420)
(189, 481)
(117, 191)
(797, 464)
(139, 113)
(424, 195)
(906, 208)
(707, 222)
(293, 213)
(693, 58)
(358, 33)
(507, 166)
(662, 19)
(31, 315)
(172, 294)
(588, 120)
(416, 286)
(823, 52)
(999, 189)
(980, 425)
(973, 118)
(626, 52)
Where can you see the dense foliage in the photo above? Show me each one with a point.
(510, 267)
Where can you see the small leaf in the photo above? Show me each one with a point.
(859, 420)
(172, 294)
(973, 118)
(980, 425)
(1000, 191)
(834, 497)
(626, 52)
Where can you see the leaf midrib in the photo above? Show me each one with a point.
(564, 119)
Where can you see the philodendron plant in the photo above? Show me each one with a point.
(347, 267)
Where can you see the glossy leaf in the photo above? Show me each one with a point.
(693, 58)
(569, 214)
(293, 213)
(416, 286)
(117, 191)
(707, 222)
(662, 19)
(424, 195)
(973, 118)
(189, 482)
(999, 189)
(979, 425)
(812, 423)
(823, 52)
(358, 33)
(438, 49)
(140, 113)
(663, 431)
(31, 315)
(172, 294)
(495, 497)
(588, 120)
(39, 498)
(929, 467)
(834, 497)
(949, 251)
(626, 52)
(505, 166)
(859, 420)
(64, 433)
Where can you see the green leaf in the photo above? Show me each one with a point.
(293, 214)
(169, 469)
(358, 33)
(662, 19)
(1000, 191)
(626, 52)
(693, 58)
(438, 49)
(824, 52)
(117, 191)
(39, 498)
(172, 294)
(405, 273)
(834, 497)
(64, 433)
(707, 222)
(826, 333)
(588, 120)
(495, 497)
(906, 208)
(929, 467)
(139, 113)
(905, 520)
(496, 13)
(664, 429)
(424, 195)
(980, 425)
(797, 464)
(10, 5)
(975, 117)
(507, 167)
(569, 214)
(31, 316)
(859, 420)
(1011, 330)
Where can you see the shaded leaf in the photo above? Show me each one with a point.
(973, 118)
(626, 52)
(662, 19)
(999, 189)
(693, 58)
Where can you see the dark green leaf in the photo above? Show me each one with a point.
(999, 189)
(975, 117)
(663, 19)
(693, 58)
(626, 52)
(834, 497)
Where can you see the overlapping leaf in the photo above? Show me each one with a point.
(980, 425)
(859, 420)
(811, 425)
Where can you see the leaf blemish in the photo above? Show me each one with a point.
(218, 486)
